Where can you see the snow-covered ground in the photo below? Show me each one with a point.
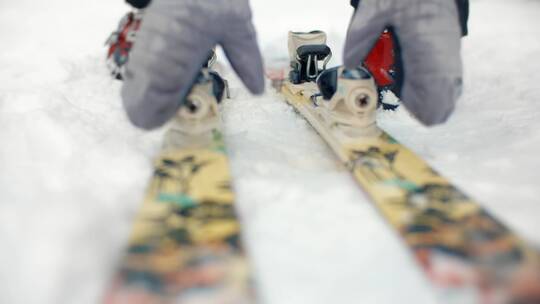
(73, 170)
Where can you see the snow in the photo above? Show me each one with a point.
(73, 170)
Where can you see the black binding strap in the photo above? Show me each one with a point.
(218, 86)
(320, 50)
(327, 82)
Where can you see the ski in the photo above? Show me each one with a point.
(185, 245)
(468, 255)
(121, 41)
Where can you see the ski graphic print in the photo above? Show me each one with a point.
(458, 244)
(185, 245)
(467, 254)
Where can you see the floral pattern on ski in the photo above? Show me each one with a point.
(457, 242)
(185, 245)
(467, 254)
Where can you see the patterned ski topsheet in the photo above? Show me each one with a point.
(185, 245)
(469, 255)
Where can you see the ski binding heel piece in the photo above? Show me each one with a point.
(348, 101)
(199, 113)
(306, 51)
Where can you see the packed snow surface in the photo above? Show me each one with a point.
(73, 170)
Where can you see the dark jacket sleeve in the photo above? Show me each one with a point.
(138, 3)
(463, 9)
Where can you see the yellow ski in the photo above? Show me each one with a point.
(185, 245)
(470, 256)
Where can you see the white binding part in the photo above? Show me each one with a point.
(195, 121)
(352, 111)
(202, 116)
(348, 117)
(297, 39)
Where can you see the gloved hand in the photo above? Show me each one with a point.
(429, 35)
(175, 39)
